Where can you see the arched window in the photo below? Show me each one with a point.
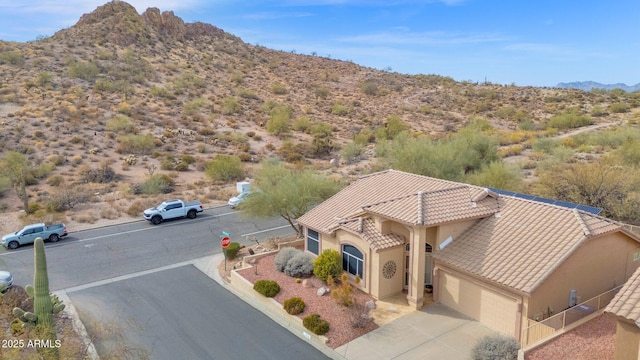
(352, 260)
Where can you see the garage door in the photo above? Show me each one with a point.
(495, 310)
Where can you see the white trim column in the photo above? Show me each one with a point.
(415, 296)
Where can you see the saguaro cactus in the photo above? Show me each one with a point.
(45, 304)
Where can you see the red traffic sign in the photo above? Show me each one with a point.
(225, 241)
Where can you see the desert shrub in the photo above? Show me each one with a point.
(294, 306)
(283, 256)
(359, 315)
(300, 265)
(278, 89)
(167, 164)
(155, 184)
(135, 209)
(182, 166)
(342, 293)
(569, 119)
(301, 124)
(329, 263)
(268, 288)
(121, 123)
(495, 347)
(339, 109)
(83, 70)
(369, 87)
(103, 174)
(55, 180)
(230, 106)
(279, 120)
(290, 152)
(136, 144)
(67, 198)
(232, 250)
(225, 168)
(351, 151)
(598, 111)
(618, 108)
(321, 92)
(315, 324)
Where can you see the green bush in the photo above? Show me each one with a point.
(121, 123)
(268, 288)
(136, 144)
(496, 347)
(329, 263)
(155, 184)
(278, 89)
(569, 119)
(315, 324)
(232, 250)
(225, 168)
(294, 306)
(618, 108)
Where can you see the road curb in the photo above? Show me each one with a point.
(78, 325)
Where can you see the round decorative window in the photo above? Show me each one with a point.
(389, 269)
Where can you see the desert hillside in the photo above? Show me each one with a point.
(119, 98)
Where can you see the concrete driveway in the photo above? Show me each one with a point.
(435, 332)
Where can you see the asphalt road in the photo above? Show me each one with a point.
(181, 313)
(133, 276)
(92, 255)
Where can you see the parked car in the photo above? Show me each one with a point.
(236, 200)
(172, 209)
(6, 281)
(29, 233)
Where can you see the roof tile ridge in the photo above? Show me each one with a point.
(376, 173)
(585, 228)
(421, 196)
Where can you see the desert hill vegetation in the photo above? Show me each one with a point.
(123, 108)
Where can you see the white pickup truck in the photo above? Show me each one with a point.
(172, 209)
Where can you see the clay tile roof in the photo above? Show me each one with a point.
(373, 189)
(524, 243)
(436, 206)
(626, 303)
(365, 228)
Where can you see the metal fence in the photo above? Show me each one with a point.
(544, 329)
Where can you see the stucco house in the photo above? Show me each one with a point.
(625, 306)
(503, 260)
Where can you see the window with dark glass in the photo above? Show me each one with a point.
(313, 241)
(352, 260)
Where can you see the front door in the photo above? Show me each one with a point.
(428, 266)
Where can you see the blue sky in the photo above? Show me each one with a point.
(522, 42)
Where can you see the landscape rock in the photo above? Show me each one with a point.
(322, 290)
(306, 283)
(370, 304)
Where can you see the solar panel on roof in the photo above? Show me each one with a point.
(590, 209)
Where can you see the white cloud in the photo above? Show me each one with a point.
(430, 38)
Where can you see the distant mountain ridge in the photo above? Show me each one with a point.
(589, 85)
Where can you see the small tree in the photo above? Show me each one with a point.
(16, 167)
(287, 193)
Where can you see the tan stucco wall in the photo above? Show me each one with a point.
(596, 266)
(387, 287)
(453, 229)
(627, 341)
